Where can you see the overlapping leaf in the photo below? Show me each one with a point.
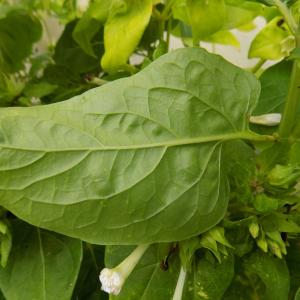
(43, 265)
(137, 160)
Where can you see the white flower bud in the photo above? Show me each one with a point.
(267, 119)
(111, 281)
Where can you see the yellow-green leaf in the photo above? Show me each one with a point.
(123, 30)
(273, 42)
(206, 17)
(224, 38)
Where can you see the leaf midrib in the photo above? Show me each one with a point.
(170, 143)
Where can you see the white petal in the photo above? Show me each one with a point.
(267, 119)
(111, 281)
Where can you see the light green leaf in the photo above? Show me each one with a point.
(209, 280)
(223, 38)
(274, 41)
(239, 13)
(135, 161)
(42, 265)
(273, 272)
(123, 30)
(206, 17)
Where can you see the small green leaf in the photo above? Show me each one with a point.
(239, 13)
(274, 41)
(42, 265)
(206, 17)
(90, 24)
(187, 249)
(224, 38)
(274, 87)
(264, 203)
(18, 31)
(284, 175)
(123, 30)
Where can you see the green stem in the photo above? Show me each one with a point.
(258, 66)
(287, 15)
(167, 9)
(291, 104)
(168, 33)
(180, 285)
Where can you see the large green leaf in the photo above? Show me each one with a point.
(123, 30)
(43, 265)
(136, 160)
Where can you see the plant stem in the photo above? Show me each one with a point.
(168, 33)
(287, 15)
(291, 104)
(258, 66)
(180, 285)
(166, 11)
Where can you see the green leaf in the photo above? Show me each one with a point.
(274, 87)
(274, 41)
(239, 13)
(42, 265)
(39, 89)
(135, 161)
(206, 17)
(90, 23)
(293, 261)
(18, 31)
(273, 272)
(148, 280)
(87, 284)
(209, 280)
(223, 38)
(297, 296)
(123, 30)
(69, 54)
(264, 203)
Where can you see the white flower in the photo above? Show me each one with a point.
(112, 280)
(267, 119)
